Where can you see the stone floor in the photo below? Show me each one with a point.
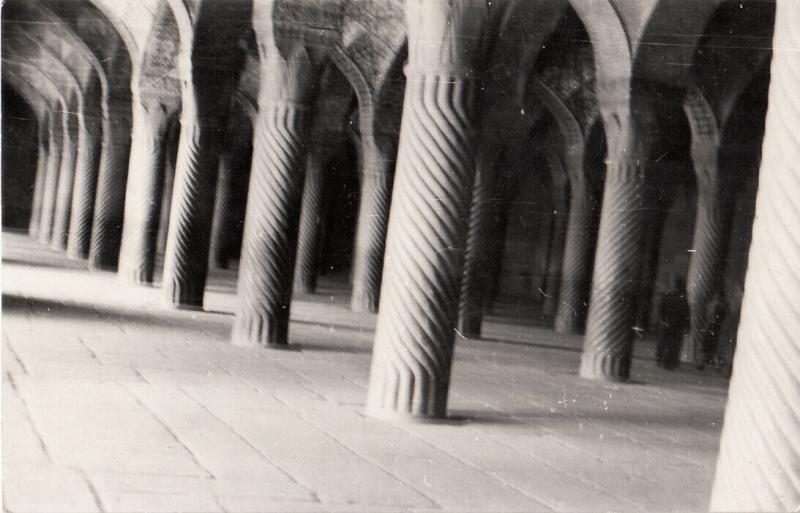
(113, 403)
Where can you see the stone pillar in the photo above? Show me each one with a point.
(186, 256)
(473, 280)
(710, 244)
(111, 186)
(759, 458)
(41, 176)
(85, 182)
(73, 143)
(55, 139)
(651, 251)
(373, 215)
(414, 339)
(221, 220)
(578, 249)
(266, 266)
(608, 345)
(305, 271)
(558, 231)
(143, 195)
(170, 158)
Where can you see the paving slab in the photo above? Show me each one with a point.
(113, 403)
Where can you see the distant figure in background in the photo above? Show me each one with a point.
(706, 354)
(673, 316)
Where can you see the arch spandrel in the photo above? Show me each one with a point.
(101, 37)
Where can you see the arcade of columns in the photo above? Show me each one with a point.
(147, 113)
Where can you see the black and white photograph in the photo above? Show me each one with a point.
(400, 256)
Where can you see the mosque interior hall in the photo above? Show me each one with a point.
(365, 256)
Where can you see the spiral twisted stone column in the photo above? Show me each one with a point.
(608, 345)
(707, 262)
(578, 254)
(170, 153)
(651, 251)
(373, 215)
(473, 281)
(83, 196)
(186, 258)
(110, 193)
(55, 137)
(270, 228)
(142, 198)
(424, 261)
(305, 270)
(558, 234)
(759, 460)
(41, 176)
(221, 221)
(73, 145)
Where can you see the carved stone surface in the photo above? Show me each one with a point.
(559, 222)
(186, 256)
(83, 195)
(271, 223)
(759, 460)
(707, 262)
(41, 174)
(305, 270)
(424, 261)
(143, 196)
(373, 215)
(110, 193)
(476, 249)
(55, 136)
(578, 251)
(73, 142)
(608, 345)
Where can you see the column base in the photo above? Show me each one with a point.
(77, 254)
(99, 265)
(605, 367)
(183, 296)
(304, 285)
(364, 301)
(253, 329)
(138, 277)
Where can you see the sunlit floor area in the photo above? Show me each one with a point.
(113, 403)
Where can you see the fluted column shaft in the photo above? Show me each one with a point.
(83, 194)
(473, 281)
(112, 176)
(424, 256)
(578, 255)
(759, 458)
(74, 146)
(223, 213)
(558, 235)
(608, 345)
(41, 176)
(373, 216)
(651, 251)
(143, 197)
(55, 136)
(270, 227)
(707, 261)
(305, 271)
(170, 154)
(186, 257)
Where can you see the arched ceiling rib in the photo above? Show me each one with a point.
(102, 38)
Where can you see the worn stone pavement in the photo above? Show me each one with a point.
(113, 403)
